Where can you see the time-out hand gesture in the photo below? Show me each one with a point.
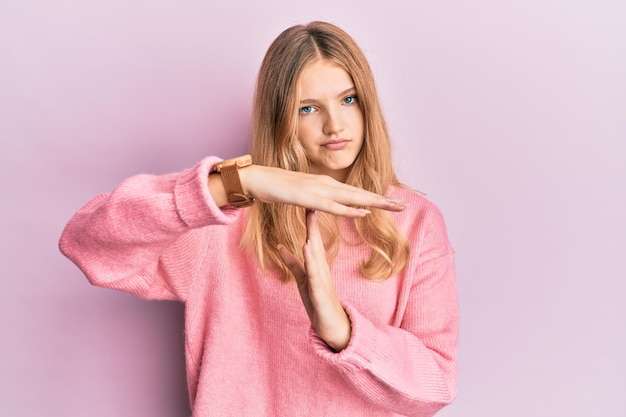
(317, 289)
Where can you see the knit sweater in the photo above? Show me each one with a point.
(250, 347)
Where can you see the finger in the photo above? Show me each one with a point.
(312, 230)
(314, 251)
(349, 201)
(338, 209)
(353, 196)
(315, 263)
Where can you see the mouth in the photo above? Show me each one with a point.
(336, 144)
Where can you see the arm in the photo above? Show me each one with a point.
(409, 369)
(137, 238)
(317, 192)
(123, 239)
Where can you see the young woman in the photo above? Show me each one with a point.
(314, 284)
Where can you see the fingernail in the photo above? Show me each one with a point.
(394, 201)
(363, 211)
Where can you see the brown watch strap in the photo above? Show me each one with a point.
(229, 171)
(232, 184)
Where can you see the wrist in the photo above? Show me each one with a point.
(339, 337)
(246, 176)
(230, 172)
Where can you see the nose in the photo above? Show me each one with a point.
(333, 123)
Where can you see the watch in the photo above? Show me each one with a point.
(229, 169)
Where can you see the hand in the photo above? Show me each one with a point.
(317, 289)
(316, 192)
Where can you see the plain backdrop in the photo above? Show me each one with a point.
(510, 115)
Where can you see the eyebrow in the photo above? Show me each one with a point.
(343, 93)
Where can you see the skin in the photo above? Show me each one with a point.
(317, 289)
(330, 121)
(330, 128)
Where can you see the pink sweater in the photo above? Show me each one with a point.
(250, 349)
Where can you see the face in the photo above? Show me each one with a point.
(330, 120)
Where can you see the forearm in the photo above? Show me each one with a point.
(411, 369)
(393, 368)
(119, 237)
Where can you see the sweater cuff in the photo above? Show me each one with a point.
(361, 349)
(193, 199)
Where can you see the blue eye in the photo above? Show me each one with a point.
(306, 109)
(350, 99)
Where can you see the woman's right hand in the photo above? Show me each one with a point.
(316, 192)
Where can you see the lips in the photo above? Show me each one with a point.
(336, 144)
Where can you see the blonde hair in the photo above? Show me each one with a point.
(275, 143)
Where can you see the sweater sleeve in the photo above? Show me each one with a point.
(138, 238)
(411, 369)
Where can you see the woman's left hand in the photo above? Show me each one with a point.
(317, 289)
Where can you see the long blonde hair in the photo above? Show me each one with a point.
(275, 143)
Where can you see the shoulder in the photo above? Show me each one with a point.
(409, 195)
(422, 222)
(419, 207)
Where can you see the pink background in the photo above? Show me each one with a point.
(511, 115)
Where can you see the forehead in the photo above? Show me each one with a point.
(322, 78)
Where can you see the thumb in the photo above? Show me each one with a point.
(292, 263)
